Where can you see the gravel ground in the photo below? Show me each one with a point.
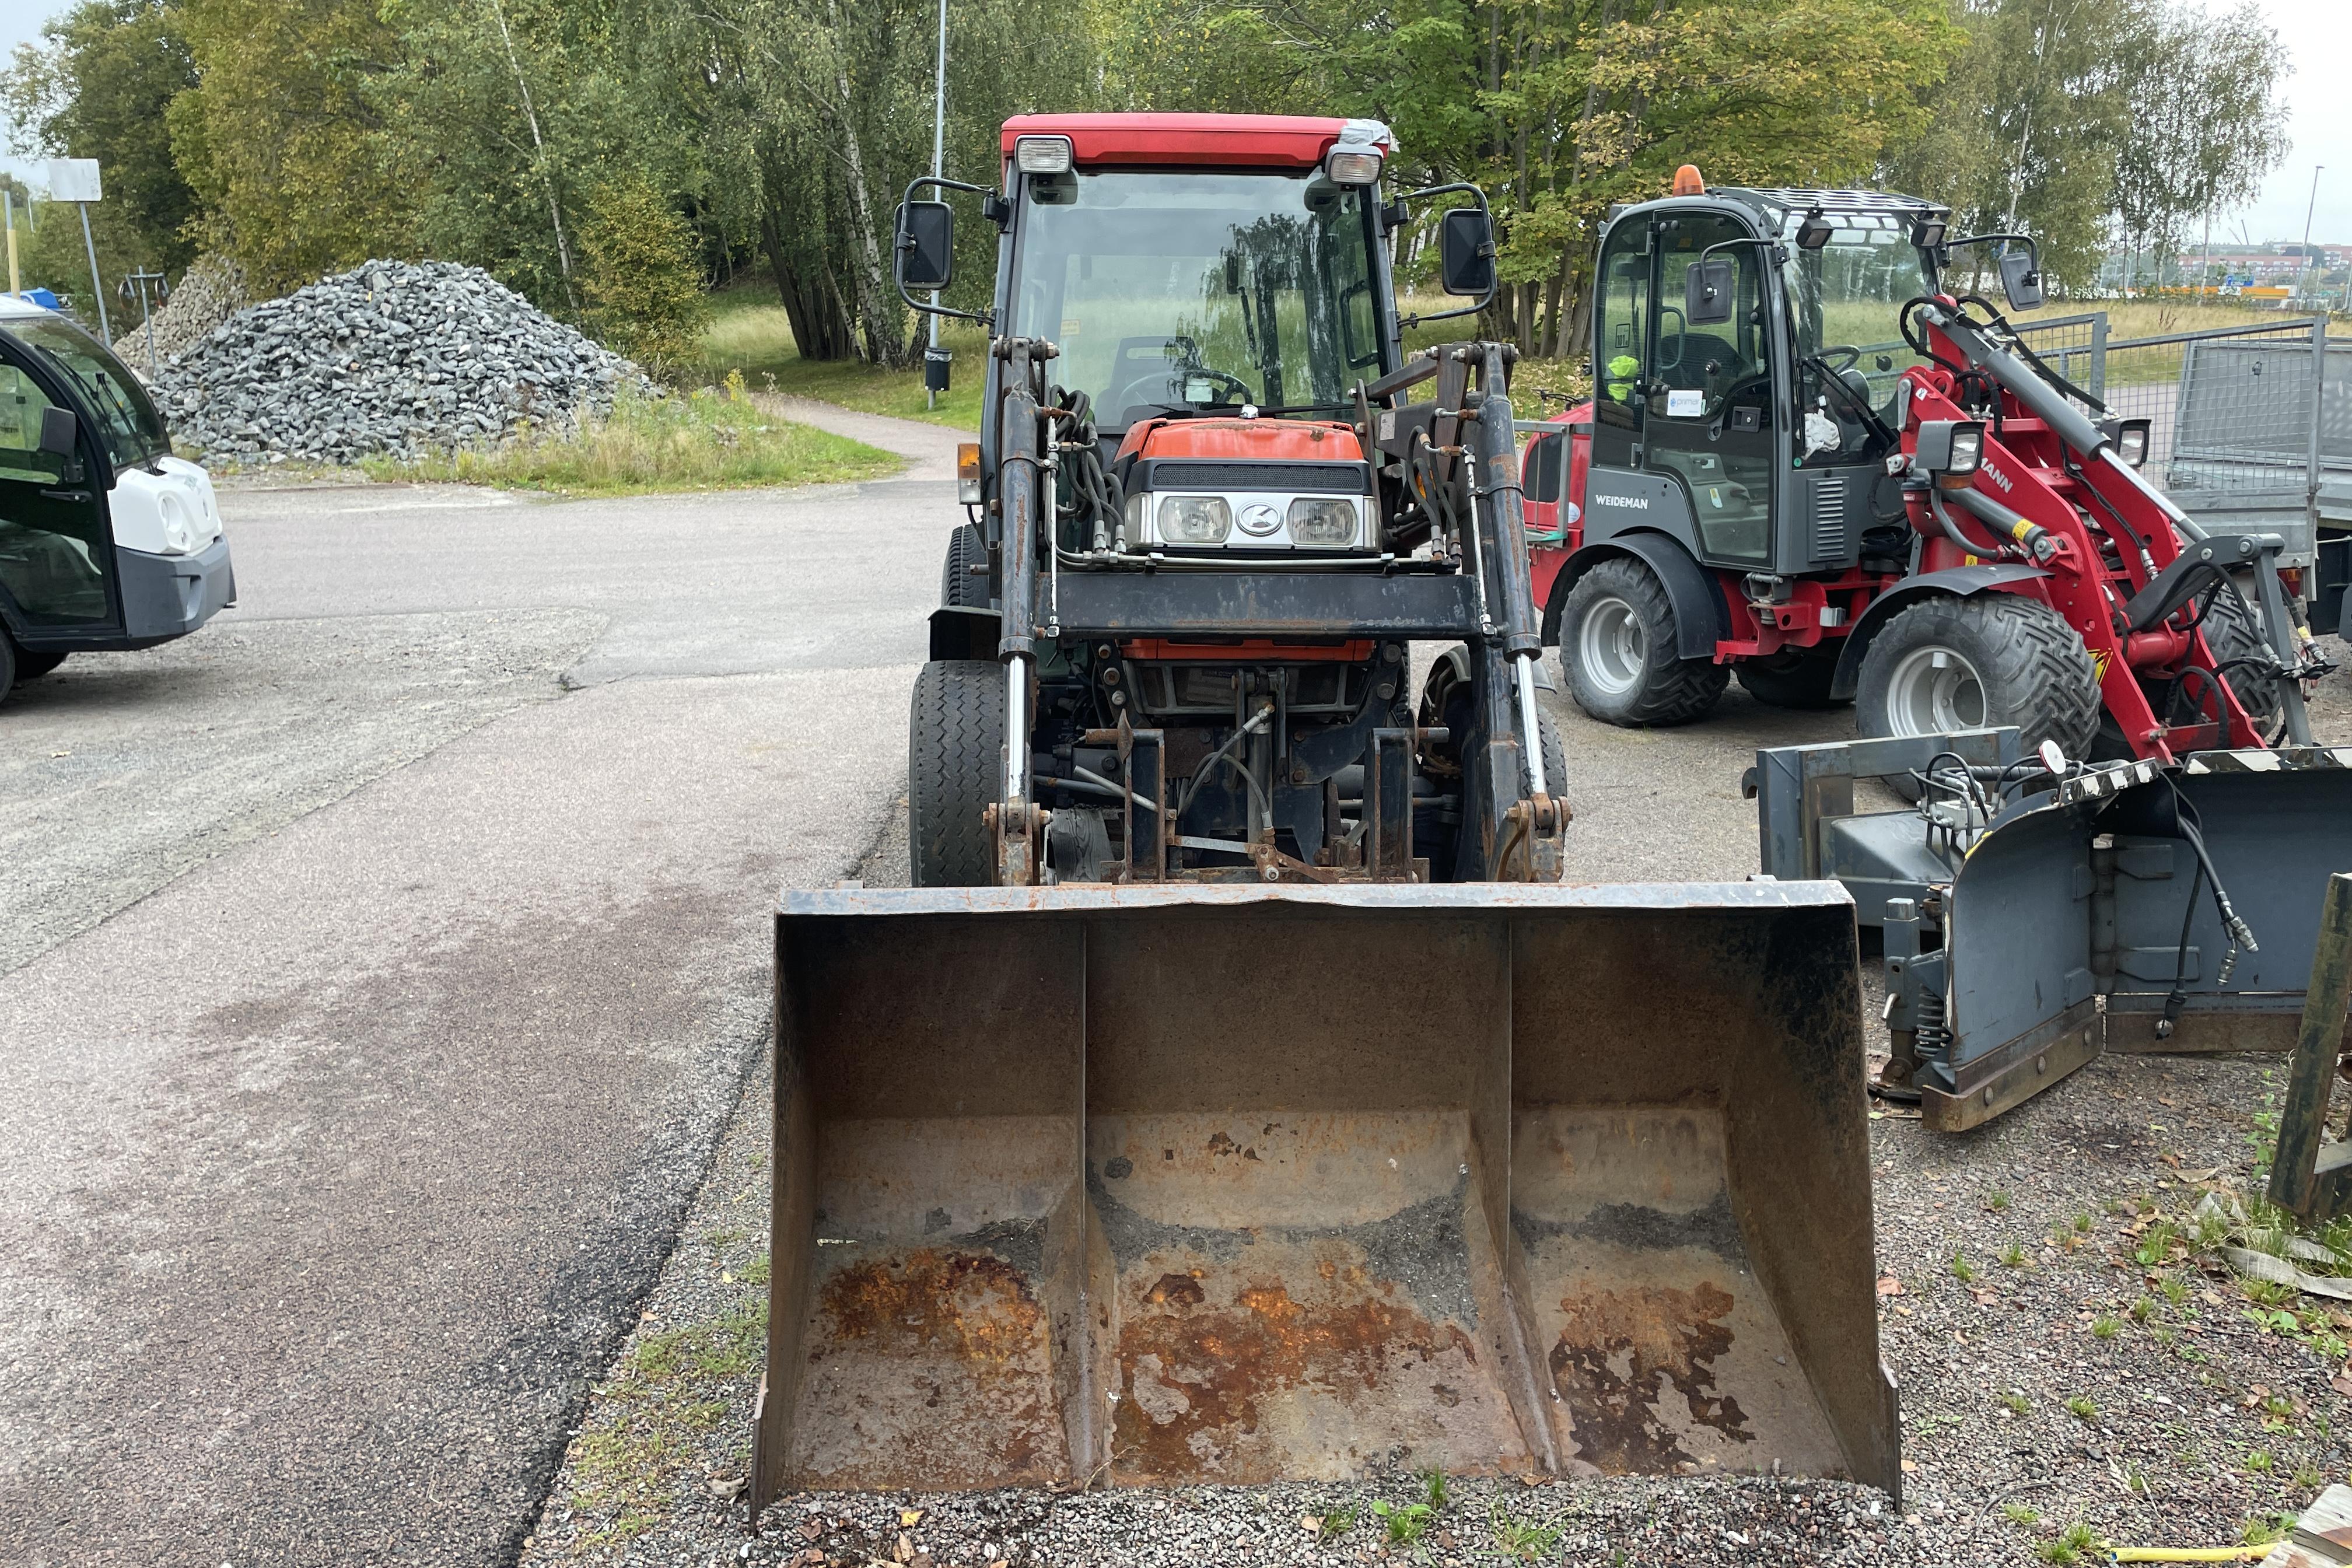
(2052, 1380)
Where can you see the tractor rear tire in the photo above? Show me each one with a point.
(2232, 633)
(959, 588)
(1798, 679)
(1974, 663)
(955, 741)
(1618, 647)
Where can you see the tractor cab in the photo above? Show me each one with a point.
(1746, 358)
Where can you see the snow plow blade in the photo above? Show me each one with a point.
(1229, 1184)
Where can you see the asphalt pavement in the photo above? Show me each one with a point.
(377, 968)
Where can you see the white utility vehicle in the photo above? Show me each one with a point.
(107, 541)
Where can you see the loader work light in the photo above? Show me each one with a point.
(1927, 233)
(2131, 441)
(1815, 231)
(1043, 155)
(1352, 167)
(1950, 449)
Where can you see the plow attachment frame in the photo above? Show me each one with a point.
(1215, 1183)
(2062, 924)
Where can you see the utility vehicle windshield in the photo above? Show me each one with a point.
(1168, 292)
(133, 432)
(1845, 299)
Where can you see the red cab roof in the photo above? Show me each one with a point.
(1223, 141)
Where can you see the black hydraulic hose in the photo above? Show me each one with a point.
(2177, 997)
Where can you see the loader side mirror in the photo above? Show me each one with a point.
(926, 245)
(1465, 252)
(60, 432)
(2020, 279)
(1708, 289)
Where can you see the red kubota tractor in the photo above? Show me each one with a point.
(1808, 463)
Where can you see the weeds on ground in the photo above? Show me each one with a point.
(712, 439)
(2017, 1513)
(2263, 1529)
(1336, 1523)
(2015, 1402)
(1406, 1523)
(626, 1465)
(1997, 1201)
(2080, 1407)
(2012, 1257)
(750, 334)
(2073, 1544)
(1432, 1487)
(1962, 1269)
(1520, 1540)
(2105, 1326)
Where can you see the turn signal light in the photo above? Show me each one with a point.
(967, 472)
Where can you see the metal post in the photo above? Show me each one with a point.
(2309, 1176)
(97, 289)
(8, 205)
(938, 156)
(2099, 357)
(2309, 207)
(2311, 469)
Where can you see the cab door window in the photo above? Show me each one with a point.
(1708, 412)
(54, 548)
(1621, 336)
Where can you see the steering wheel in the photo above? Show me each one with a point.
(1846, 358)
(1139, 392)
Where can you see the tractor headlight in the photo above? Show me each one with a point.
(1322, 519)
(1195, 519)
(2131, 441)
(1950, 449)
(1042, 154)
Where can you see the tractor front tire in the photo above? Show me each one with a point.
(961, 588)
(2232, 633)
(1980, 662)
(955, 745)
(1618, 647)
(1797, 677)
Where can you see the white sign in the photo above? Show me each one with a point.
(73, 180)
(1686, 404)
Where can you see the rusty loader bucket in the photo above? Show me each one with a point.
(1194, 1184)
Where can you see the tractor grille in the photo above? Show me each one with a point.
(1832, 538)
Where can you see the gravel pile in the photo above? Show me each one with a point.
(209, 294)
(390, 357)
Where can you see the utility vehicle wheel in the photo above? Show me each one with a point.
(1990, 659)
(1617, 646)
(955, 741)
(1797, 677)
(2230, 631)
(960, 587)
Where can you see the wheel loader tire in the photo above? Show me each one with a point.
(959, 588)
(955, 739)
(33, 666)
(1993, 659)
(1617, 648)
(2232, 634)
(1799, 679)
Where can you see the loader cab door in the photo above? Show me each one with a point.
(1689, 404)
(57, 544)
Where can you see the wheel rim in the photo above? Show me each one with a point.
(1610, 645)
(1934, 691)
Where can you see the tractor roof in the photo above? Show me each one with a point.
(1218, 140)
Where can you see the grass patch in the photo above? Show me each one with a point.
(709, 440)
(2081, 1408)
(2105, 1326)
(1406, 1523)
(750, 334)
(1962, 1269)
(2019, 1514)
(2016, 1403)
(2072, 1546)
(1523, 1540)
(627, 1467)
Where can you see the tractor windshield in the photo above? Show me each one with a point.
(1843, 300)
(1175, 290)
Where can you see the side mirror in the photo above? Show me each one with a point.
(2020, 279)
(1465, 252)
(926, 245)
(1707, 288)
(61, 433)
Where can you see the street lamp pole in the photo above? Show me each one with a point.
(2308, 210)
(938, 159)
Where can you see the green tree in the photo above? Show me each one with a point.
(98, 85)
(280, 140)
(643, 284)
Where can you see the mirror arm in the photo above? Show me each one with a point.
(1407, 322)
(991, 203)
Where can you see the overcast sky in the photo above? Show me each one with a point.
(2318, 35)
